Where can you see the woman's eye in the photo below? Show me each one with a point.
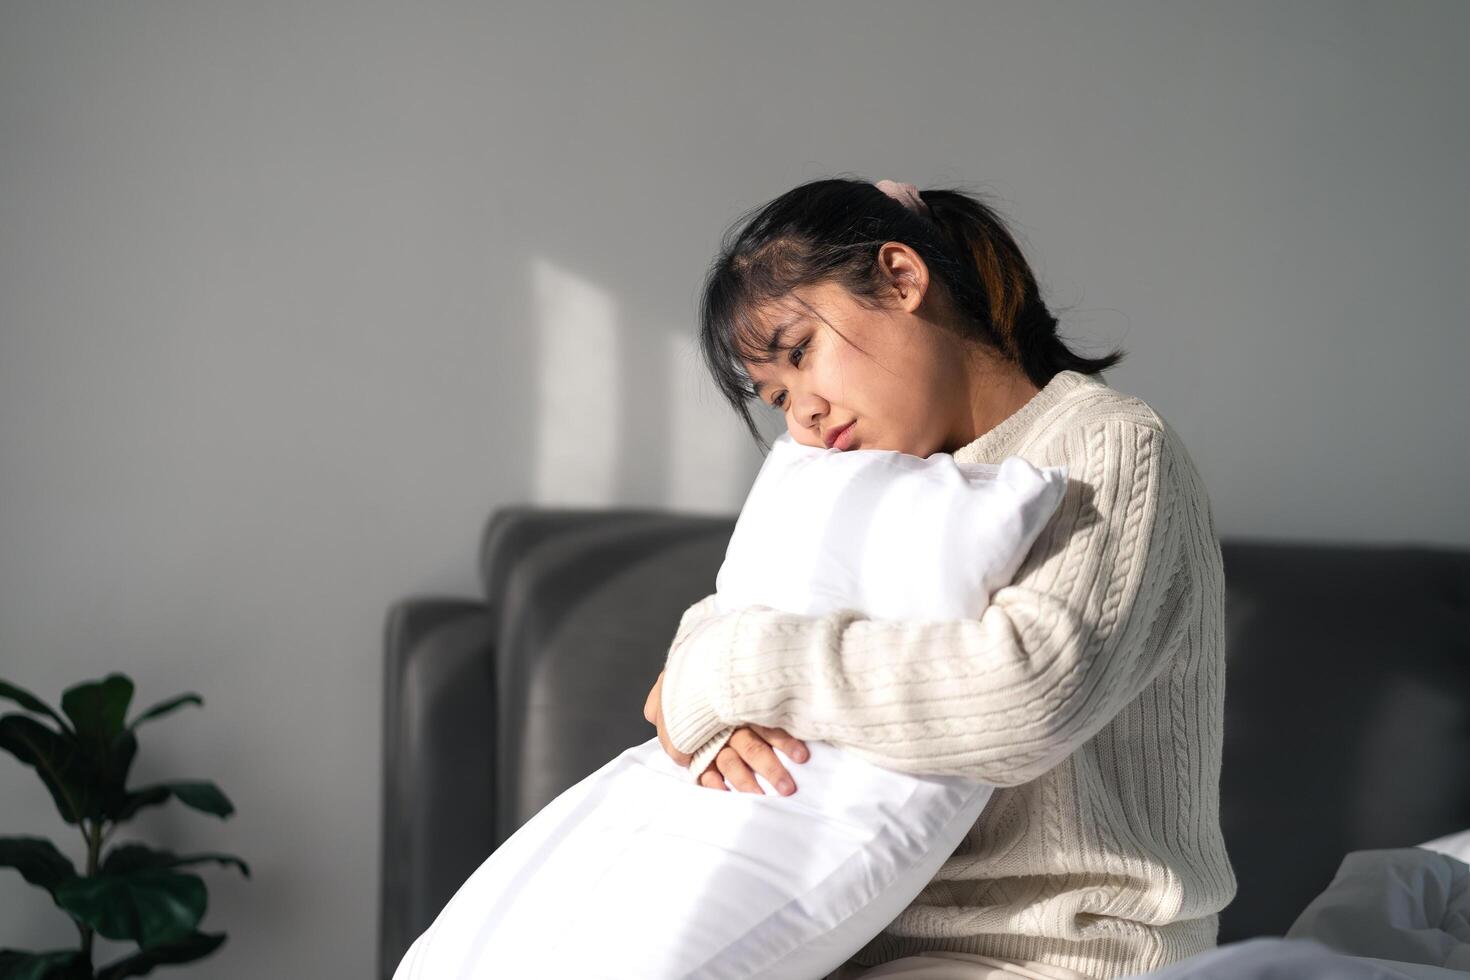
(795, 362)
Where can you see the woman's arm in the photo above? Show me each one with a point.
(1094, 612)
(704, 754)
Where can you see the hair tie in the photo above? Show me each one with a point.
(905, 194)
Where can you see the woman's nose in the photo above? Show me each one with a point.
(809, 410)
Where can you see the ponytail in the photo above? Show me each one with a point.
(1002, 289)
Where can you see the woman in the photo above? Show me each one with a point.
(1091, 689)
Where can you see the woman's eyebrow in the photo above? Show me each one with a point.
(774, 343)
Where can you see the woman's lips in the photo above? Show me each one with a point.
(844, 438)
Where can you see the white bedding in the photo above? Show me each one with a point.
(1389, 914)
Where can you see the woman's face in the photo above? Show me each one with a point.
(895, 374)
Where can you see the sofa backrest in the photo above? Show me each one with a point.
(1347, 709)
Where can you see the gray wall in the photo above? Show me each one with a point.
(293, 295)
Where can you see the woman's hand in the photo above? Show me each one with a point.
(749, 750)
(653, 710)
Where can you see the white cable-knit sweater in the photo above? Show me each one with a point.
(1090, 690)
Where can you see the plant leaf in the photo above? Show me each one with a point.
(132, 855)
(138, 799)
(57, 760)
(192, 947)
(58, 964)
(37, 860)
(113, 766)
(203, 795)
(149, 905)
(164, 707)
(30, 702)
(97, 708)
(197, 793)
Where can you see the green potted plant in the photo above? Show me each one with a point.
(133, 892)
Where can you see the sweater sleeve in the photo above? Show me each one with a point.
(695, 616)
(1094, 612)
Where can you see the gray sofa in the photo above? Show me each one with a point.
(1347, 708)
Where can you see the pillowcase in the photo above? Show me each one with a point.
(636, 873)
(892, 535)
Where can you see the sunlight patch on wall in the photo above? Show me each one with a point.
(576, 364)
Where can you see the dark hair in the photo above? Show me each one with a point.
(830, 230)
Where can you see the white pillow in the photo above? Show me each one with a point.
(892, 535)
(637, 873)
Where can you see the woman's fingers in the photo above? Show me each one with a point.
(734, 770)
(750, 750)
(794, 747)
(755, 753)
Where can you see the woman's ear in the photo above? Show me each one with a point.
(907, 273)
